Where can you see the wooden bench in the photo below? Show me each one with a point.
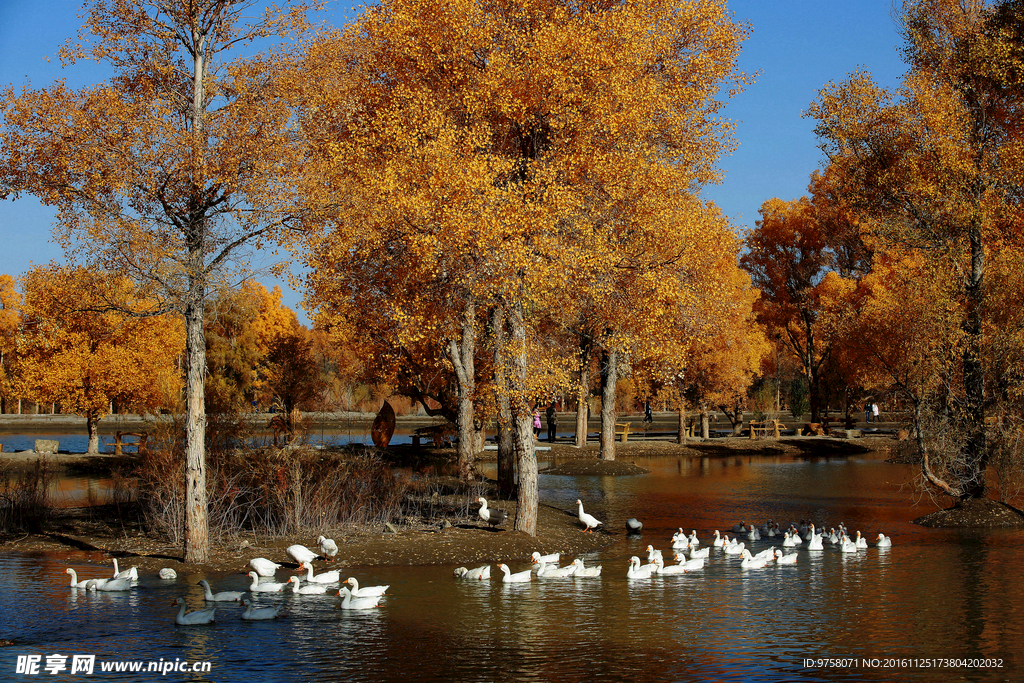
(622, 430)
(140, 441)
(766, 428)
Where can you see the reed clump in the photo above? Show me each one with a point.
(271, 491)
(24, 498)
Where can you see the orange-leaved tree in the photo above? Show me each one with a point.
(10, 317)
(485, 155)
(935, 165)
(77, 350)
(167, 170)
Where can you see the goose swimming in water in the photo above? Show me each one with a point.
(199, 616)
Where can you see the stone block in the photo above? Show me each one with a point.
(46, 446)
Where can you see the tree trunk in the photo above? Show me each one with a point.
(527, 499)
(705, 423)
(583, 403)
(609, 378)
(197, 535)
(461, 353)
(682, 423)
(92, 424)
(975, 455)
(506, 446)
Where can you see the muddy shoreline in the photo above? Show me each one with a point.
(99, 534)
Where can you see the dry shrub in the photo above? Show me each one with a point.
(24, 498)
(269, 491)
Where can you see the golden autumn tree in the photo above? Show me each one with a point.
(482, 148)
(788, 257)
(77, 350)
(935, 166)
(167, 170)
(10, 317)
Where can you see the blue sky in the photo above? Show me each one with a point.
(796, 45)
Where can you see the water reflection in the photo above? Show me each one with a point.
(934, 594)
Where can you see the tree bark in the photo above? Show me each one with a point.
(609, 378)
(527, 499)
(197, 536)
(705, 423)
(583, 403)
(92, 424)
(975, 456)
(682, 423)
(503, 420)
(461, 353)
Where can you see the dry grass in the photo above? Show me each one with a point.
(24, 498)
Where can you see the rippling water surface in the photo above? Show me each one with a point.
(934, 594)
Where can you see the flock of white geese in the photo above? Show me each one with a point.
(353, 597)
(687, 550)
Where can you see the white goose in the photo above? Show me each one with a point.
(223, 596)
(266, 586)
(518, 577)
(585, 572)
(75, 583)
(492, 516)
(661, 568)
(328, 548)
(200, 616)
(717, 541)
(109, 585)
(780, 558)
(253, 613)
(846, 545)
(480, 573)
(815, 541)
(551, 558)
(263, 566)
(734, 548)
(589, 521)
(326, 577)
(300, 553)
(692, 565)
(167, 574)
(694, 541)
(861, 542)
(680, 539)
(699, 554)
(365, 591)
(635, 571)
(349, 601)
(130, 574)
(308, 589)
(751, 562)
(883, 541)
(544, 571)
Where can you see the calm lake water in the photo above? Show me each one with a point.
(934, 596)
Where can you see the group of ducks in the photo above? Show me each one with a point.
(545, 566)
(353, 596)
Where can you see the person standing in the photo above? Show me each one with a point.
(867, 412)
(648, 416)
(552, 418)
(874, 412)
(536, 423)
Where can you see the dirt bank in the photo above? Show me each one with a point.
(100, 533)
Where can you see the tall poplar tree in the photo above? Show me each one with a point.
(168, 169)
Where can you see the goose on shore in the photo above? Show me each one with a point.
(492, 516)
(263, 566)
(589, 521)
(328, 548)
(300, 553)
